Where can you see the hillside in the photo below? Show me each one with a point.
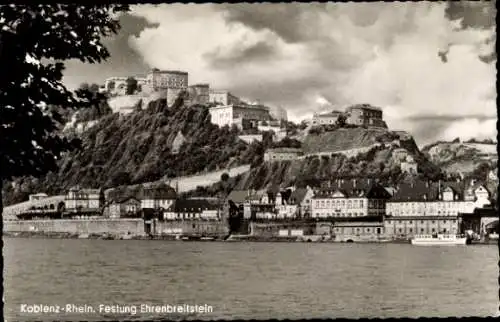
(463, 158)
(137, 148)
(378, 162)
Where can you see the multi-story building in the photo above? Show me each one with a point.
(199, 93)
(365, 115)
(282, 154)
(125, 207)
(236, 114)
(326, 118)
(192, 209)
(172, 82)
(118, 85)
(355, 198)
(409, 165)
(302, 198)
(423, 207)
(220, 97)
(162, 196)
(84, 200)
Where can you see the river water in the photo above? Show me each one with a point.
(248, 280)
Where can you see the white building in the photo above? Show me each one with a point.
(162, 196)
(237, 114)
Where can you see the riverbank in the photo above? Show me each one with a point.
(240, 238)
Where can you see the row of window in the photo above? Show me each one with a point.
(422, 230)
(354, 214)
(422, 221)
(339, 203)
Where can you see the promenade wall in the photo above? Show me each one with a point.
(77, 226)
(191, 227)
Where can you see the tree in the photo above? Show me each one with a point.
(35, 40)
(224, 177)
(341, 120)
(131, 86)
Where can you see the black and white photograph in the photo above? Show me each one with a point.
(251, 161)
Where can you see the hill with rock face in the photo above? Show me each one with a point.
(159, 142)
(462, 157)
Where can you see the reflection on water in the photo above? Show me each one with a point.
(250, 280)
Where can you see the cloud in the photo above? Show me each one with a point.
(410, 59)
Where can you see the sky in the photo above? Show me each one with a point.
(429, 66)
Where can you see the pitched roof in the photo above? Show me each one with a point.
(161, 192)
(298, 195)
(191, 205)
(419, 190)
(354, 189)
(238, 196)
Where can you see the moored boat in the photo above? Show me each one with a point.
(438, 239)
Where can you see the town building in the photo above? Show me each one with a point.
(192, 209)
(171, 82)
(84, 200)
(355, 198)
(365, 115)
(282, 154)
(302, 198)
(326, 118)
(409, 165)
(220, 97)
(159, 197)
(222, 115)
(37, 196)
(423, 207)
(400, 154)
(124, 207)
(118, 85)
(199, 93)
(250, 138)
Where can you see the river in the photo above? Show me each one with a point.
(247, 280)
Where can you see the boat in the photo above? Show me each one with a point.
(207, 238)
(438, 239)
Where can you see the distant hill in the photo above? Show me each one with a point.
(464, 158)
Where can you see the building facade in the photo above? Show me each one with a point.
(326, 118)
(365, 115)
(83, 200)
(118, 85)
(162, 196)
(354, 198)
(282, 154)
(199, 93)
(220, 97)
(192, 209)
(172, 82)
(235, 114)
(426, 207)
(126, 207)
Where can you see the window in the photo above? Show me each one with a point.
(368, 229)
(399, 221)
(389, 222)
(433, 222)
(411, 222)
(400, 230)
(357, 229)
(421, 230)
(453, 221)
(444, 221)
(421, 221)
(433, 230)
(411, 230)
